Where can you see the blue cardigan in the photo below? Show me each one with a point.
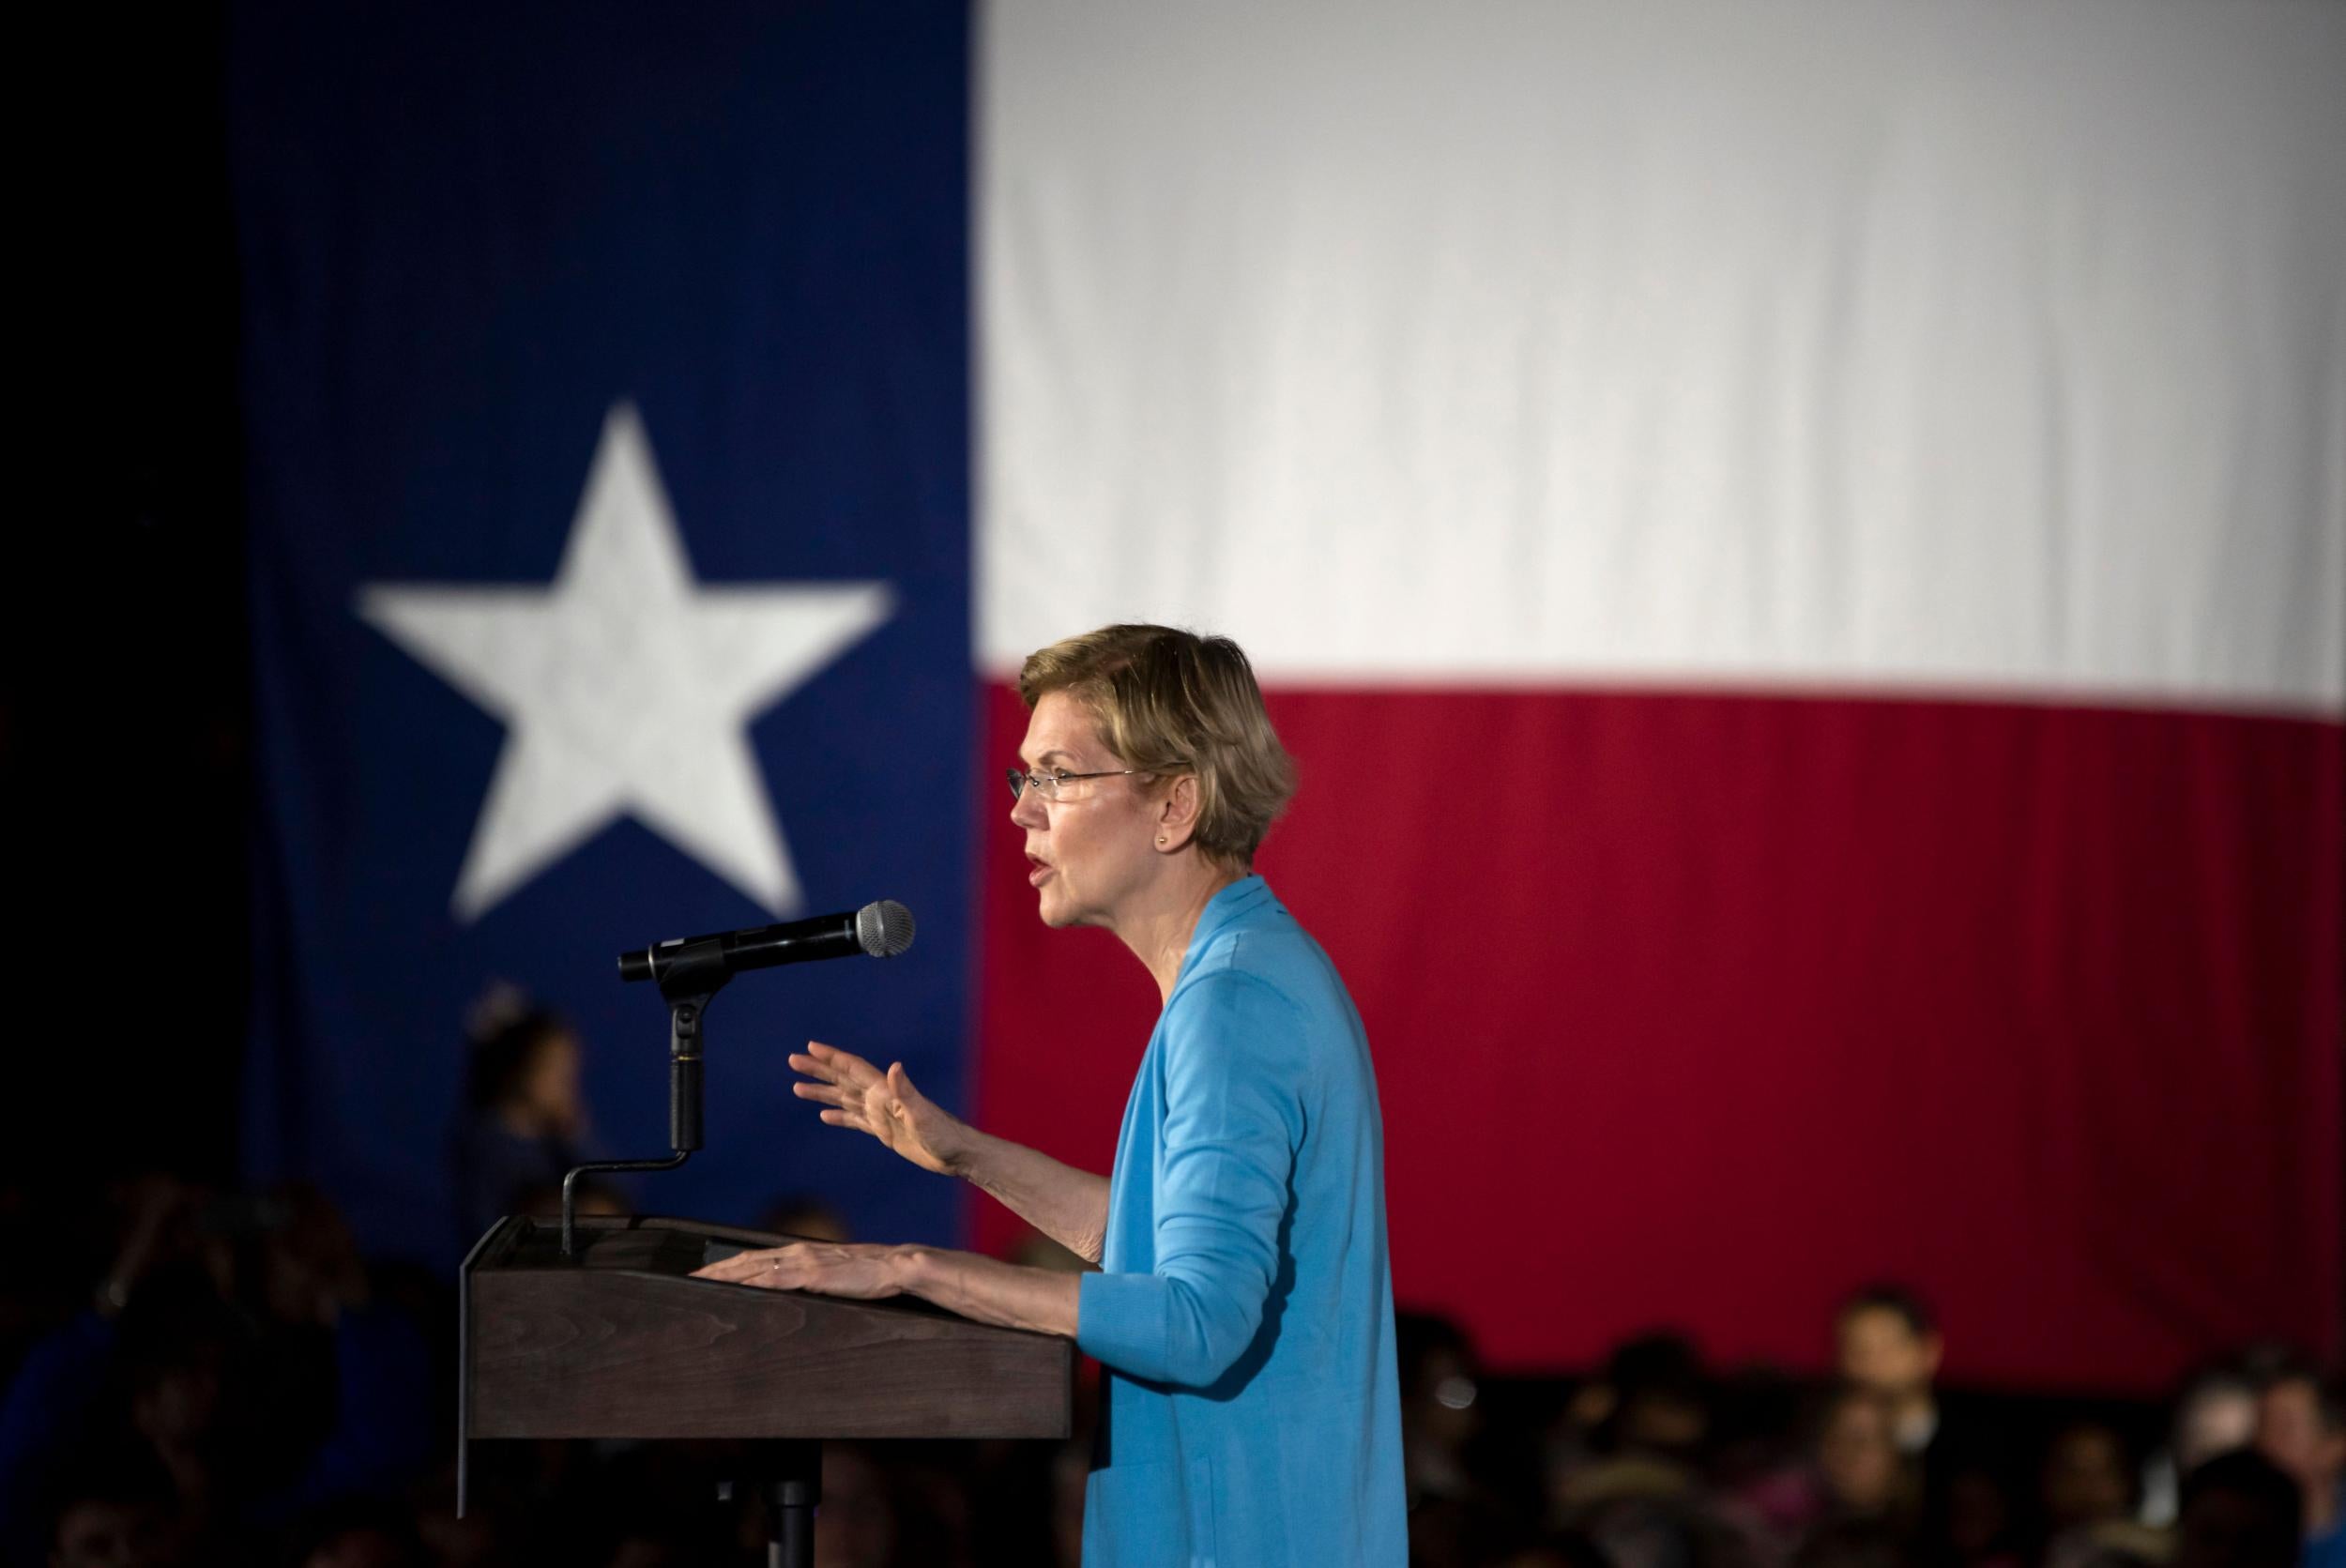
(1244, 1314)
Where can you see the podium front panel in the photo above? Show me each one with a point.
(621, 1341)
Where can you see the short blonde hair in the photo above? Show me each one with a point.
(1169, 701)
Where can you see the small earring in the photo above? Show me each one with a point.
(1160, 841)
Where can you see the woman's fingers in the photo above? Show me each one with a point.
(830, 1070)
(811, 1066)
(827, 1064)
(837, 1061)
(855, 1092)
(770, 1268)
(740, 1267)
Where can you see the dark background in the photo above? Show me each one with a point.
(123, 737)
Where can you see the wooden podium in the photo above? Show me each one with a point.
(621, 1341)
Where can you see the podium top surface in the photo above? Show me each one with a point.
(650, 1244)
(523, 1241)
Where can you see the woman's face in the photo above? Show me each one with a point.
(1090, 850)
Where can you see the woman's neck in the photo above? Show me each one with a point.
(1159, 931)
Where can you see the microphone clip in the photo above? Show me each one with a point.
(689, 975)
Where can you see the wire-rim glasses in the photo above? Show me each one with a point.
(1048, 786)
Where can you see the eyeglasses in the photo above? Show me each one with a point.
(1048, 786)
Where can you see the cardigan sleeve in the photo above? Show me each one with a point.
(1233, 1119)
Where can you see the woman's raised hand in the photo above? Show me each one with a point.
(885, 1105)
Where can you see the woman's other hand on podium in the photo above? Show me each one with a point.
(865, 1270)
(980, 1288)
(885, 1105)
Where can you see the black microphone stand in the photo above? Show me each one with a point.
(695, 971)
(788, 1474)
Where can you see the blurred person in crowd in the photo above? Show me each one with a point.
(1851, 1471)
(1441, 1414)
(1641, 1497)
(1887, 1340)
(365, 1366)
(2086, 1478)
(112, 1513)
(805, 1216)
(1454, 1515)
(526, 1121)
(187, 1360)
(1661, 1405)
(2239, 1510)
(1864, 1476)
(235, 1343)
(2085, 1493)
(1637, 1429)
(64, 1399)
(2301, 1428)
(1244, 1305)
(2213, 1411)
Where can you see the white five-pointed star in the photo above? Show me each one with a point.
(626, 686)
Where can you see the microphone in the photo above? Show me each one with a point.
(880, 930)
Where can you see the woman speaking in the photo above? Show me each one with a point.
(1243, 1309)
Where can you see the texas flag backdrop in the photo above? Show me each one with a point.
(1801, 553)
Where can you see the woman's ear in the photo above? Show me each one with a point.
(1176, 813)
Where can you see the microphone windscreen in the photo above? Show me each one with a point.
(883, 929)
